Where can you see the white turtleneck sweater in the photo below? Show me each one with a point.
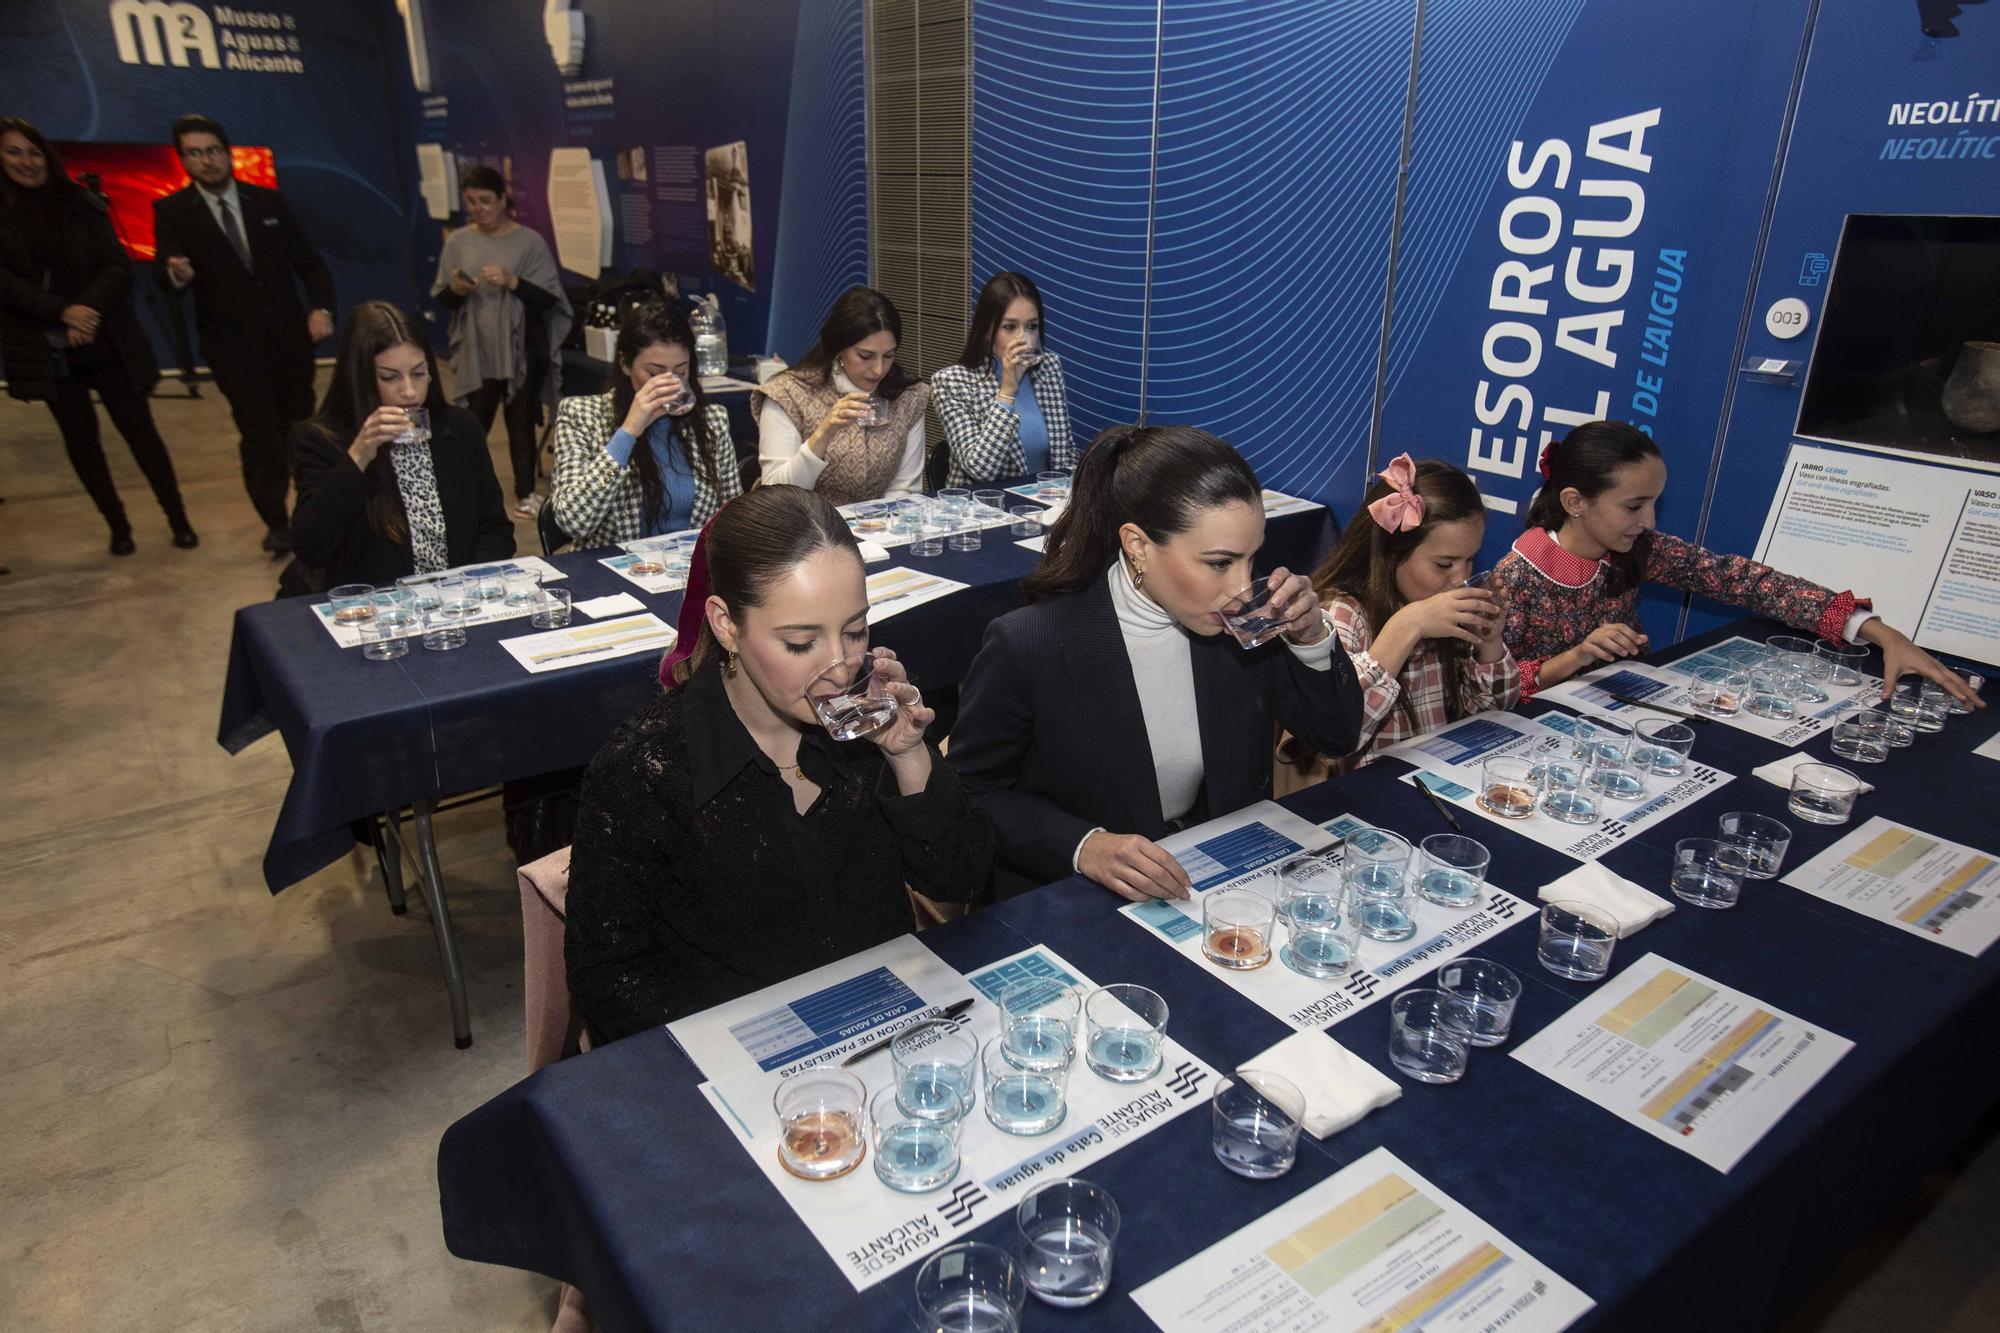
(1158, 649)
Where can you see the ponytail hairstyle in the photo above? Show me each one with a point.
(751, 543)
(652, 323)
(860, 312)
(372, 328)
(1588, 461)
(1364, 563)
(1158, 478)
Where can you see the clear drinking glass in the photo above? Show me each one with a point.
(1322, 936)
(1576, 940)
(852, 699)
(524, 588)
(955, 501)
(553, 613)
(420, 591)
(1510, 787)
(1568, 794)
(915, 1152)
(683, 400)
(1237, 928)
(1039, 1019)
(934, 1068)
(386, 637)
(1902, 735)
(1709, 872)
(1452, 870)
(1430, 1034)
(1843, 661)
(1249, 616)
(877, 413)
(819, 1116)
(1764, 841)
(1125, 1030)
(444, 627)
(971, 1288)
(419, 429)
(1718, 691)
(994, 499)
(1052, 485)
(1022, 1101)
(353, 603)
(1068, 1229)
(1026, 521)
(1661, 745)
(1928, 704)
(1775, 693)
(1823, 793)
(1798, 654)
(1604, 747)
(1256, 1118)
(1862, 737)
(1491, 990)
(649, 556)
(1375, 866)
(492, 583)
(1977, 682)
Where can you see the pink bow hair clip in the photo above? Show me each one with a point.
(1402, 508)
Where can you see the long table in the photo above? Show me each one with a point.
(611, 1171)
(369, 739)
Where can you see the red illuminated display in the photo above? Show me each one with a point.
(135, 174)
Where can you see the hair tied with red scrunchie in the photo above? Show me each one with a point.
(1402, 508)
(694, 606)
(1542, 465)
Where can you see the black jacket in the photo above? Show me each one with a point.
(244, 314)
(331, 533)
(1051, 742)
(31, 302)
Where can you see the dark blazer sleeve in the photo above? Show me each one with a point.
(945, 839)
(333, 496)
(1321, 708)
(167, 240)
(305, 260)
(21, 291)
(989, 747)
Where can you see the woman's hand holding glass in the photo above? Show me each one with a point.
(1020, 358)
(1132, 867)
(847, 410)
(1294, 602)
(658, 398)
(1902, 658)
(1469, 615)
(383, 425)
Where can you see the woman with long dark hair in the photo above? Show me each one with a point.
(1113, 709)
(67, 327)
(1005, 405)
(1572, 581)
(508, 313)
(377, 501)
(726, 841)
(652, 455)
(814, 424)
(1425, 646)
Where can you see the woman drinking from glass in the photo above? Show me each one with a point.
(1005, 405)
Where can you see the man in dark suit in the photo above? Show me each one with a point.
(240, 249)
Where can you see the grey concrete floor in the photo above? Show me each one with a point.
(224, 1107)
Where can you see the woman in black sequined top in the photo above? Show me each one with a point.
(726, 842)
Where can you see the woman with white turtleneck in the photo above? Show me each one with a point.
(1113, 709)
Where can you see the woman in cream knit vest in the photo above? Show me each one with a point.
(810, 418)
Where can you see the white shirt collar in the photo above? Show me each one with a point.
(228, 196)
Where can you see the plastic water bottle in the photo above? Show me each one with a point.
(711, 337)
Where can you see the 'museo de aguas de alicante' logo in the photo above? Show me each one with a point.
(183, 35)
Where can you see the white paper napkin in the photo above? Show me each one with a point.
(1779, 771)
(617, 604)
(1339, 1086)
(1051, 513)
(871, 553)
(1632, 907)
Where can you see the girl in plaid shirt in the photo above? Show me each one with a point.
(1403, 565)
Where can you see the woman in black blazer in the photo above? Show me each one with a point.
(1114, 709)
(371, 510)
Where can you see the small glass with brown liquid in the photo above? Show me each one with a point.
(819, 1117)
(1237, 925)
(1510, 787)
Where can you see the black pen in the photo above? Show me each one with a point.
(951, 1011)
(1657, 708)
(1449, 817)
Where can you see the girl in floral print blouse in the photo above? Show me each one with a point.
(1572, 580)
(1426, 647)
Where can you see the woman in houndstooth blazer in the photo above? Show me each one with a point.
(993, 429)
(634, 462)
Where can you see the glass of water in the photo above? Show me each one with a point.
(419, 429)
(1023, 1101)
(1976, 682)
(1453, 870)
(1709, 872)
(1775, 692)
(1604, 747)
(1510, 787)
(1256, 1117)
(1862, 737)
(934, 1067)
(1125, 1030)
(1919, 704)
(1901, 734)
(1322, 936)
(1813, 673)
(1249, 616)
(1375, 866)
(1764, 841)
(1568, 794)
(1430, 1034)
(1052, 485)
(553, 612)
(971, 1288)
(852, 699)
(819, 1118)
(1823, 793)
(444, 627)
(1718, 691)
(995, 500)
(524, 588)
(877, 413)
(1027, 521)
(1069, 1229)
(1038, 1020)
(1236, 928)
(386, 637)
(1661, 745)
(420, 591)
(1576, 940)
(1491, 990)
(1844, 661)
(915, 1152)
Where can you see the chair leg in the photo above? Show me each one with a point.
(388, 855)
(430, 880)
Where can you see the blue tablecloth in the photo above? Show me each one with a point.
(371, 736)
(611, 1172)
